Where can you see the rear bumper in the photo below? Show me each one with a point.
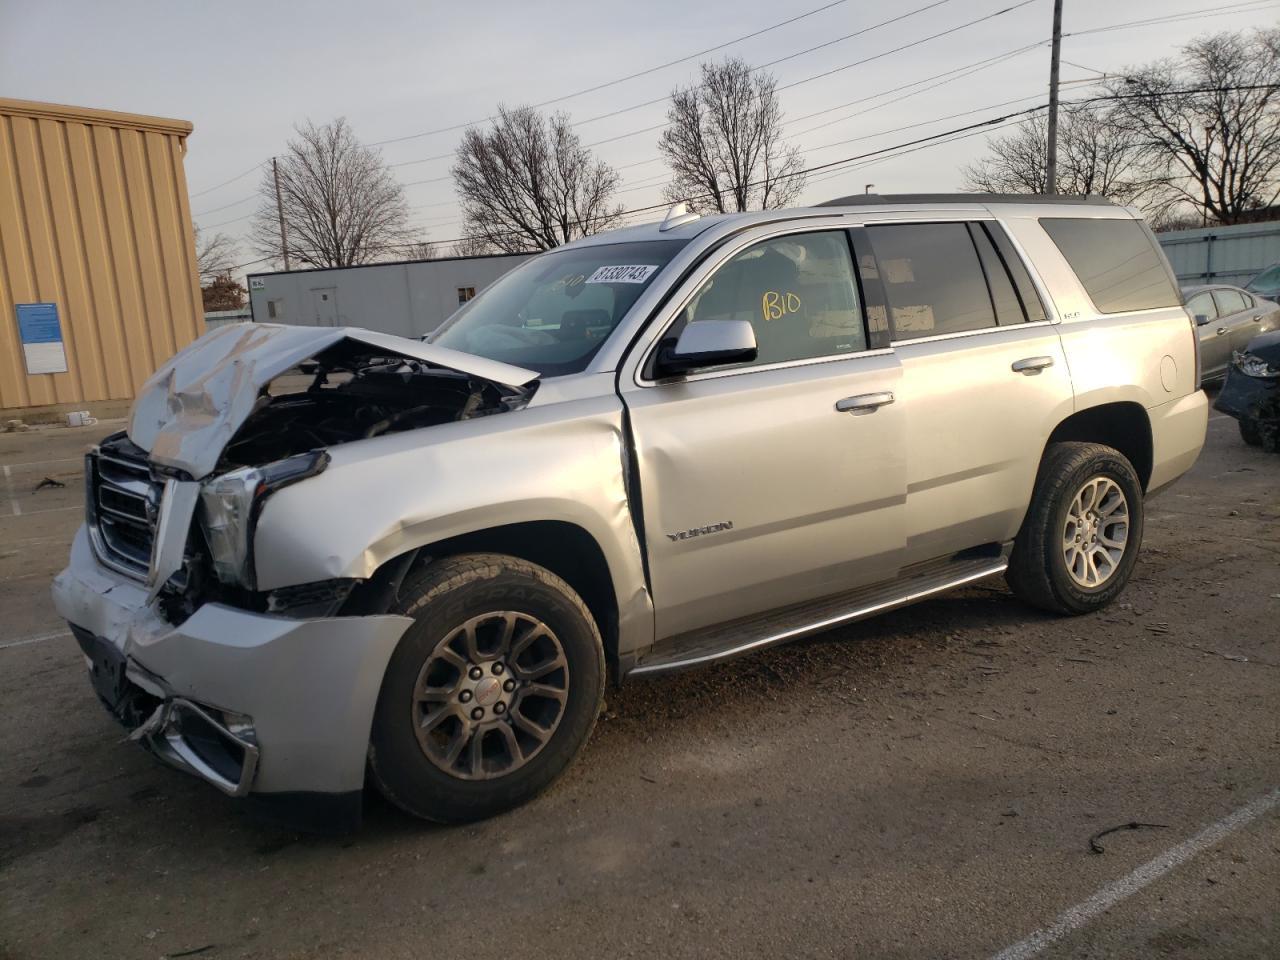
(251, 703)
(1177, 437)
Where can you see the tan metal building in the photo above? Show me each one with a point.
(98, 281)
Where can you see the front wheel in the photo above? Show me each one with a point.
(1249, 432)
(1080, 539)
(490, 694)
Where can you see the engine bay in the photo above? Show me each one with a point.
(353, 392)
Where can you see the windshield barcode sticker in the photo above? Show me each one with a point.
(623, 273)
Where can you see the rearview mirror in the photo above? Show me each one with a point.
(1201, 319)
(709, 343)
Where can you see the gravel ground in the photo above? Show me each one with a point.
(920, 785)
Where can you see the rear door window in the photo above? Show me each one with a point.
(932, 277)
(1004, 297)
(1229, 301)
(1117, 262)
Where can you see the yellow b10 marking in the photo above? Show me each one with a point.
(776, 305)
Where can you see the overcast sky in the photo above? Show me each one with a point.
(244, 73)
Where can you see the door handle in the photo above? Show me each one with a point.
(1221, 331)
(1030, 366)
(864, 402)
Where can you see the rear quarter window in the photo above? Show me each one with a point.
(1117, 262)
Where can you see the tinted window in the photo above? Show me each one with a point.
(1202, 305)
(1230, 301)
(1003, 296)
(1018, 270)
(798, 292)
(1118, 263)
(932, 279)
(552, 313)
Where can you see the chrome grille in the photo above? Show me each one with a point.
(120, 509)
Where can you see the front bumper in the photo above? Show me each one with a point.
(252, 703)
(1250, 398)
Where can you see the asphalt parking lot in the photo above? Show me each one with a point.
(920, 785)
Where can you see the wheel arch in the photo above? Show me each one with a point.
(1123, 425)
(566, 549)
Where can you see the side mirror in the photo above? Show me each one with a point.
(1201, 319)
(709, 343)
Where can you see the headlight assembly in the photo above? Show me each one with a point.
(1252, 365)
(229, 508)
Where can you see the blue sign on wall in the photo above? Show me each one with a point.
(41, 336)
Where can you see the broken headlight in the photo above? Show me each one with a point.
(1252, 365)
(229, 507)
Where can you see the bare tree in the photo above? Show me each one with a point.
(1217, 149)
(421, 250)
(529, 184)
(341, 204)
(473, 247)
(215, 255)
(1095, 156)
(724, 142)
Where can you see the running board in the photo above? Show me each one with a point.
(728, 640)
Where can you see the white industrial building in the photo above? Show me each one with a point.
(410, 298)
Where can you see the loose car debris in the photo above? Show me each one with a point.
(1096, 847)
(48, 482)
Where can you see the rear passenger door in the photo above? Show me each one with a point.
(984, 377)
(1236, 315)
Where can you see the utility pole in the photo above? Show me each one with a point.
(284, 236)
(1051, 160)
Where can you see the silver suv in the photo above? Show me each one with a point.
(323, 553)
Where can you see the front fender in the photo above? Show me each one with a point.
(381, 497)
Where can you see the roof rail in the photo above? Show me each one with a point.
(871, 199)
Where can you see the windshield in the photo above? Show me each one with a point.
(1268, 279)
(554, 312)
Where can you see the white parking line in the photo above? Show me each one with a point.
(41, 463)
(23, 641)
(1125, 887)
(17, 510)
(1220, 416)
(8, 485)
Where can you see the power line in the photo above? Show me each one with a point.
(665, 97)
(886, 53)
(1253, 6)
(238, 176)
(632, 76)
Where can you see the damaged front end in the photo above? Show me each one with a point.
(1251, 392)
(247, 411)
(262, 691)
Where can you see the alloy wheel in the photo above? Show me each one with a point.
(1096, 532)
(491, 695)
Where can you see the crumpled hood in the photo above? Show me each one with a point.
(190, 408)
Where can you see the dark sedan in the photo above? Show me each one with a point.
(1252, 392)
(1227, 318)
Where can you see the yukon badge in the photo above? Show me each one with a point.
(699, 531)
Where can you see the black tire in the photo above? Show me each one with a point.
(1038, 573)
(440, 597)
(1249, 433)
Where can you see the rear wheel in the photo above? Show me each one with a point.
(490, 694)
(1080, 539)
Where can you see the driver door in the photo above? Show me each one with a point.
(781, 480)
